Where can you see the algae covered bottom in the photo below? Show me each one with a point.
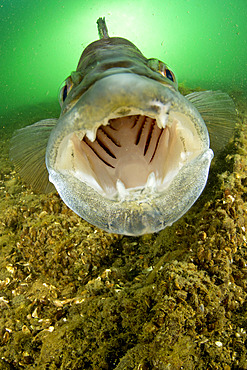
(74, 296)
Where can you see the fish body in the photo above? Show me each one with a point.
(128, 153)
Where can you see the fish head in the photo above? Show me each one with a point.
(107, 57)
(129, 153)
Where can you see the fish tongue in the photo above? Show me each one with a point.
(132, 170)
(131, 165)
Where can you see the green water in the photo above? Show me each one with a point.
(203, 42)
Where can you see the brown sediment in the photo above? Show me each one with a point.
(75, 297)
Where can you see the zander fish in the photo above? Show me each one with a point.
(128, 153)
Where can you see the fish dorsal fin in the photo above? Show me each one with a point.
(102, 28)
(218, 112)
(27, 151)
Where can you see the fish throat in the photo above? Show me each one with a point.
(126, 150)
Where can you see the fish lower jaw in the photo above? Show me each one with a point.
(142, 193)
(130, 157)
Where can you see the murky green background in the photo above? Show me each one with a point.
(203, 42)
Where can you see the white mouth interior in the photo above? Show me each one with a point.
(130, 153)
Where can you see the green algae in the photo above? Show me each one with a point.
(75, 297)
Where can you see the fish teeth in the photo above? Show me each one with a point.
(150, 186)
(122, 192)
(164, 120)
(91, 134)
(151, 182)
(163, 113)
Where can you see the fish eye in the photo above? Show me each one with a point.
(169, 75)
(65, 89)
(160, 67)
(64, 92)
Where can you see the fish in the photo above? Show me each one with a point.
(129, 153)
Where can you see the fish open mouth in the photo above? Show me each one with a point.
(130, 153)
(126, 138)
(127, 152)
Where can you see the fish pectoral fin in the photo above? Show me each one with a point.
(218, 112)
(27, 151)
